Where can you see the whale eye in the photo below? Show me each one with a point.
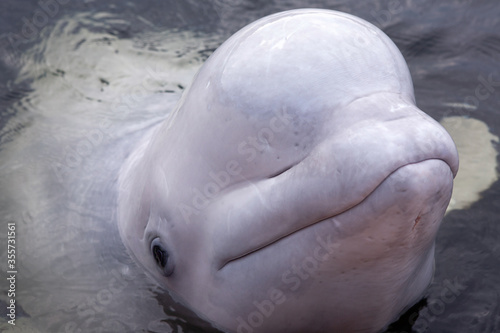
(161, 257)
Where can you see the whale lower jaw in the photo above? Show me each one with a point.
(379, 259)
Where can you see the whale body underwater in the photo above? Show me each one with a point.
(295, 187)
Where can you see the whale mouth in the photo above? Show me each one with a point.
(428, 183)
(353, 156)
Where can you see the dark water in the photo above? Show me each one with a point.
(81, 81)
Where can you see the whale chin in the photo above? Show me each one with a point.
(380, 251)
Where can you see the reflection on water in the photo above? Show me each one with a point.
(92, 95)
(478, 159)
(93, 82)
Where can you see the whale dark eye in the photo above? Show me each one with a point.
(161, 257)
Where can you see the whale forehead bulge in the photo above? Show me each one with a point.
(323, 60)
(263, 96)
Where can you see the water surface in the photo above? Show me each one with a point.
(82, 81)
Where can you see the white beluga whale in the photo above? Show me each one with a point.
(295, 187)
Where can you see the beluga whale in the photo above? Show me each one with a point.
(295, 186)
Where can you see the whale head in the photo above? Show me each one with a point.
(296, 186)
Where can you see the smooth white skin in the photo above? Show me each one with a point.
(342, 156)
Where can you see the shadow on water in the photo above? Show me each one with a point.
(82, 81)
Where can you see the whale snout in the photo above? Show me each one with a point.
(418, 190)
